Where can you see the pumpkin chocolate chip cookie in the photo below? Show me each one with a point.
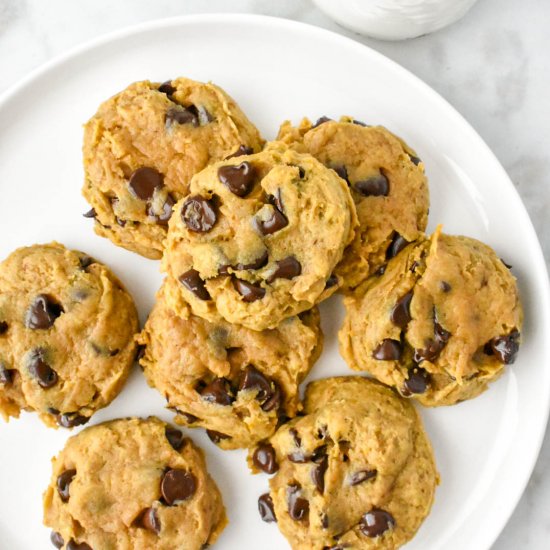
(257, 238)
(143, 146)
(132, 484)
(439, 325)
(67, 330)
(387, 183)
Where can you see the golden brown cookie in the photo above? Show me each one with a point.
(132, 484)
(439, 324)
(67, 330)
(258, 237)
(235, 382)
(357, 471)
(387, 183)
(143, 146)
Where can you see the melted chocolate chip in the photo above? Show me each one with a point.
(164, 216)
(42, 313)
(63, 484)
(218, 391)
(177, 485)
(433, 346)
(331, 281)
(167, 88)
(192, 281)
(318, 474)
(216, 437)
(40, 370)
(397, 244)
(175, 438)
(506, 347)
(144, 181)
(415, 160)
(181, 115)
(266, 508)
(238, 179)
(361, 476)
(249, 291)
(56, 539)
(242, 150)
(286, 269)
(342, 171)
(401, 314)
(376, 522)
(417, 382)
(90, 214)
(445, 286)
(298, 507)
(148, 519)
(274, 223)
(70, 420)
(388, 350)
(321, 120)
(265, 459)
(199, 214)
(375, 186)
(73, 545)
(260, 262)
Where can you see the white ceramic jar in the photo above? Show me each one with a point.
(395, 19)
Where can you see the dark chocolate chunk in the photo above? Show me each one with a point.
(265, 459)
(445, 286)
(397, 244)
(415, 160)
(258, 263)
(177, 485)
(189, 418)
(43, 312)
(252, 378)
(321, 120)
(215, 436)
(359, 122)
(318, 474)
(274, 400)
(238, 179)
(249, 291)
(401, 314)
(167, 88)
(376, 522)
(434, 346)
(506, 347)
(144, 181)
(199, 214)
(182, 115)
(40, 370)
(417, 382)
(375, 186)
(266, 508)
(388, 350)
(274, 223)
(218, 391)
(342, 171)
(148, 519)
(287, 268)
(361, 476)
(90, 214)
(64, 481)
(162, 217)
(293, 432)
(70, 420)
(242, 150)
(56, 539)
(175, 438)
(298, 507)
(192, 281)
(73, 545)
(276, 200)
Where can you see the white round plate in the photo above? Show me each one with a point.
(276, 70)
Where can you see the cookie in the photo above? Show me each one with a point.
(235, 382)
(132, 484)
(439, 325)
(387, 183)
(258, 237)
(357, 471)
(67, 329)
(143, 146)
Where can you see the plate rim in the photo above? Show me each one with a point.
(259, 19)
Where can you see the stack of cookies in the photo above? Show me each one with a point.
(252, 236)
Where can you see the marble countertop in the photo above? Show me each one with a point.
(493, 66)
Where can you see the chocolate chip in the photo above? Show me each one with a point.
(70, 420)
(175, 438)
(445, 286)
(63, 484)
(199, 214)
(265, 459)
(43, 312)
(276, 200)
(144, 181)
(397, 244)
(301, 172)
(361, 476)
(273, 402)
(85, 262)
(177, 485)
(181, 115)
(56, 539)
(434, 346)
(6, 375)
(192, 281)
(376, 522)
(380, 271)
(286, 269)
(90, 214)
(324, 521)
(3, 327)
(415, 160)
(148, 519)
(189, 418)
(249, 291)
(318, 474)
(204, 116)
(293, 432)
(359, 122)
(218, 391)
(167, 88)
(266, 508)
(298, 507)
(506, 347)
(258, 263)
(331, 281)
(40, 370)
(388, 350)
(375, 186)
(242, 150)
(73, 545)
(342, 171)
(321, 120)
(299, 457)
(274, 223)
(401, 314)
(417, 382)
(120, 222)
(140, 351)
(164, 216)
(252, 378)
(238, 179)
(507, 265)
(216, 437)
